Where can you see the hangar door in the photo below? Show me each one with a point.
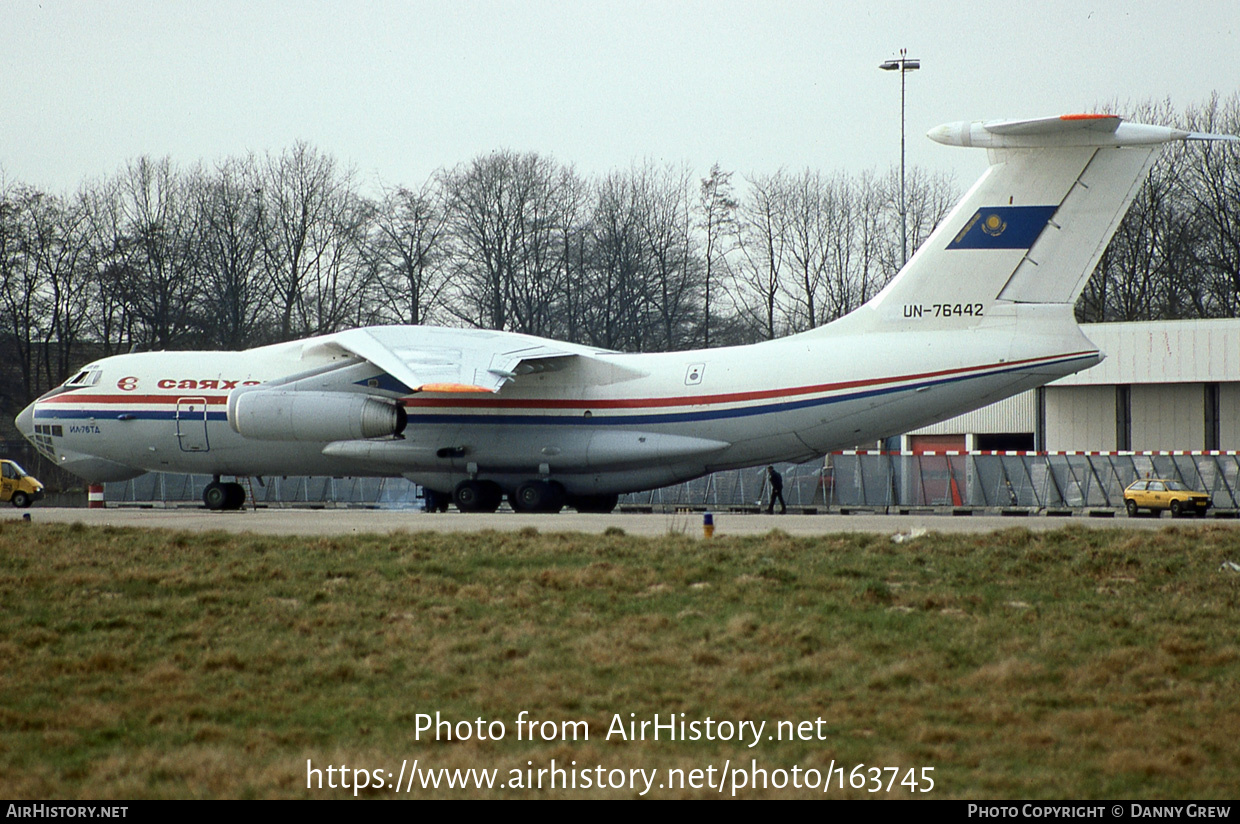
(938, 480)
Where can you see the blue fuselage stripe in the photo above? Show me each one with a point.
(58, 412)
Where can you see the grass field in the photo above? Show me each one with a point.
(1067, 664)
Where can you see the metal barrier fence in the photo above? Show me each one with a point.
(872, 480)
(980, 480)
(1032, 480)
(170, 488)
(806, 485)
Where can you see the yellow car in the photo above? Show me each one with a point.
(17, 485)
(1157, 494)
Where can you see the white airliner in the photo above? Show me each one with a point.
(982, 311)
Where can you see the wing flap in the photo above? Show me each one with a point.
(433, 359)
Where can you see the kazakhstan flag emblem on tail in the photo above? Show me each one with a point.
(1003, 227)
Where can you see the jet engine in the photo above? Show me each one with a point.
(282, 415)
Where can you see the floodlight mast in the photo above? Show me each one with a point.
(904, 65)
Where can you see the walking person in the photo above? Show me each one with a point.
(777, 491)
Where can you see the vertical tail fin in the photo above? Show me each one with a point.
(1032, 229)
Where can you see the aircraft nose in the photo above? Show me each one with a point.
(25, 421)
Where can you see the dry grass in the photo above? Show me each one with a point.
(1077, 663)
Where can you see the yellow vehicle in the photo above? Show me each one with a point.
(17, 485)
(1157, 494)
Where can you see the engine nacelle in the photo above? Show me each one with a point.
(282, 415)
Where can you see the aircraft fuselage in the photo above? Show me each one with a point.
(611, 424)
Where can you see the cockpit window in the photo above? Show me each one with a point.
(87, 377)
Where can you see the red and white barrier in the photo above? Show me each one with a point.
(931, 453)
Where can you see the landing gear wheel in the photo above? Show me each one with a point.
(477, 496)
(436, 501)
(235, 496)
(599, 504)
(215, 496)
(21, 500)
(538, 496)
(1131, 506)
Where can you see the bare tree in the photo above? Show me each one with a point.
(844, 284)
(20, 284)
(930, 197)
(503, 218)
(717, 210)
(1212, 187)
(312, 226)
(573, 240)
(758, 281)
(159, 247)
(56, 242)
(874, 235)
(614, 316)
(1177, 250)
(535, 287)
(673, 272)
(809, 203)
(110, 321)
(645, 277)
(407, 249)
(813, 247)
(230, 254)
(340, 279)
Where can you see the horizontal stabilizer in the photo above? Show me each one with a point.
(1053, 125)
(1065, 130)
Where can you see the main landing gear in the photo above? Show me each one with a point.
(538, 496)
(219, 497)
(477, 496)
(535, 496)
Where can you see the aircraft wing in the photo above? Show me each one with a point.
(433, 359)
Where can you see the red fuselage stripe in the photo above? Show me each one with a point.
(702, 400)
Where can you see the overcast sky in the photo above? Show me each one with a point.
(399, 89)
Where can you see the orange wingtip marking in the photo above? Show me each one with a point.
(1086, 116)
(451, 387)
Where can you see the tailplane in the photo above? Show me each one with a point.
(1032, 229)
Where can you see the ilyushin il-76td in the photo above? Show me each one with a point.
(982, 311)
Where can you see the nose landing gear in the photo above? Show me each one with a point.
(218, 497)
